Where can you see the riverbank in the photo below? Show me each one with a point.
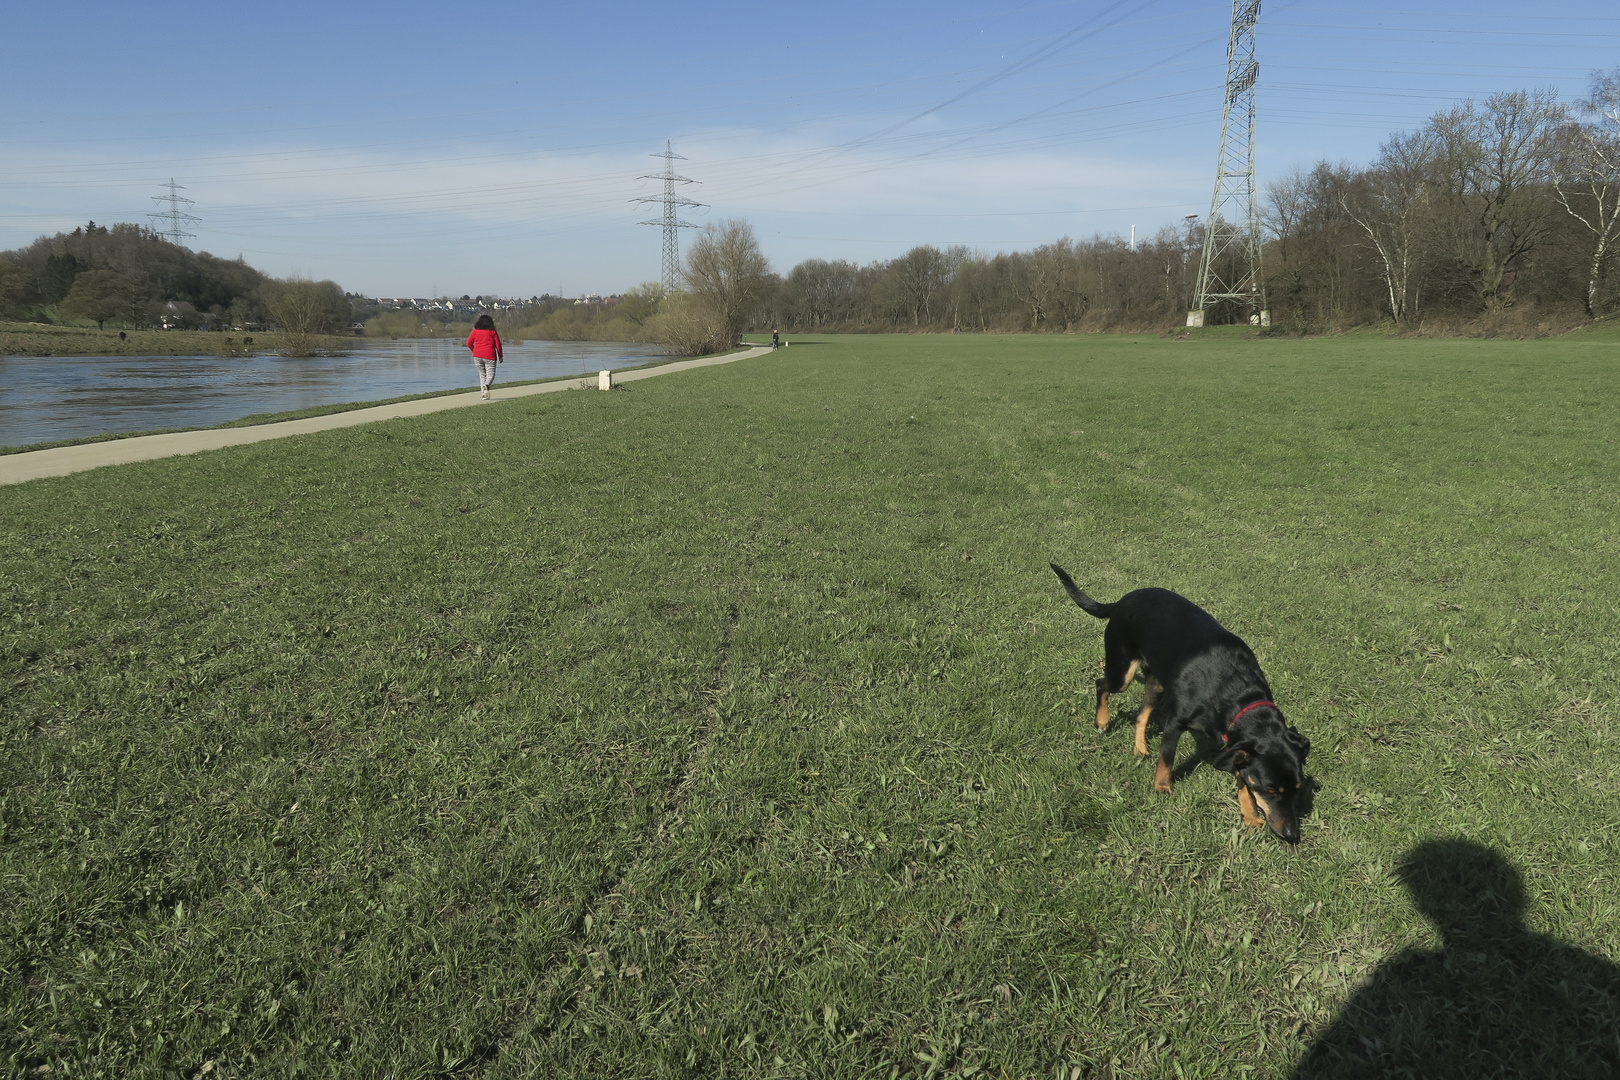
(73, 456)
(47, 339)
(72, 398)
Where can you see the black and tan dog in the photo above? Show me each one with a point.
(1200, 676)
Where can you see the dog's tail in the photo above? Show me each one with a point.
(1087, 604)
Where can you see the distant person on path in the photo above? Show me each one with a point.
(485, 344)
(776, 340)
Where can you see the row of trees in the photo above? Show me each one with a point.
(727, 288)
(1515, 201)
(1097, 284)
(1508, 204)
(131, 276)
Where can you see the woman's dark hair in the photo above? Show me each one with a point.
(484, 323)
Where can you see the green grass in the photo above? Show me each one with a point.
(735, 726)
(47, 339)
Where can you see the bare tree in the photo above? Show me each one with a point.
(1035, 280)
(304, 310)
(1308, 263)
(640, 304)
(1071, 298)
(1586, 176)
(1495, 159)
(727, 274)
(956, 257)
(1389, 205)
(977, 286)
(688, 327)
(818, 291)
(918, 275)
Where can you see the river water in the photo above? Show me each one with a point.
(43, 399)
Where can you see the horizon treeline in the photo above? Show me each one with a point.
(1494, 216)
(131, 276)
(1511, 204)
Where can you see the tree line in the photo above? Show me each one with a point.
(1494, 216)
(1510, 203)
(133, 277)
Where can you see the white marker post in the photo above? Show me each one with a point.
(604, 380)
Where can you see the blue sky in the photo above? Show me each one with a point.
(412, 149)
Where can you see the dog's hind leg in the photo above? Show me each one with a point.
(1151, 692)
(1119, 668)
(1113, 681)
(1162, 773)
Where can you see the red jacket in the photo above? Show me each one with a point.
(485, 344)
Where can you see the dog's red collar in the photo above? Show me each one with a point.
(1227, 734)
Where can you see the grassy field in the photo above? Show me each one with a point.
(734, 725)
(43, 339)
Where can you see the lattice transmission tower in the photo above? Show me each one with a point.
(1229, 270)
(170, 221)
(671, 221)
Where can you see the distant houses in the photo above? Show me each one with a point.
(472, 306)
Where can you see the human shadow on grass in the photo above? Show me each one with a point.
(1496, 1000)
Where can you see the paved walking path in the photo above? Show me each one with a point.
(61, 460)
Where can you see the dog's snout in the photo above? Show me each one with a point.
(1281, 819)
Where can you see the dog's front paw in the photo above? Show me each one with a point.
(1161, 778)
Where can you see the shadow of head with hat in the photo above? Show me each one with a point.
(1496, 999)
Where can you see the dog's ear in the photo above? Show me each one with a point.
(1300, 742)
(1234, 757)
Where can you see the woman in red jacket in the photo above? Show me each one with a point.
(485, 344)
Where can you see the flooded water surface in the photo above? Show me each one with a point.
(43, 399)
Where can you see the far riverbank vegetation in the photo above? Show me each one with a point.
(130, 278)
(1496, 218)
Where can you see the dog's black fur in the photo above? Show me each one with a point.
(1200, 676)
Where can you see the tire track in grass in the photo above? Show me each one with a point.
(602, 901)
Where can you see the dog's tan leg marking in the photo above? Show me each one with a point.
(1102, 696)
(1161, 777)
(1246, 806)
(1150, 698)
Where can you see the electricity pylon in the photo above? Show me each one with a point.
(174, 215)
(671, 221)
(1229, 270)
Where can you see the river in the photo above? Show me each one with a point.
(44, 399)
